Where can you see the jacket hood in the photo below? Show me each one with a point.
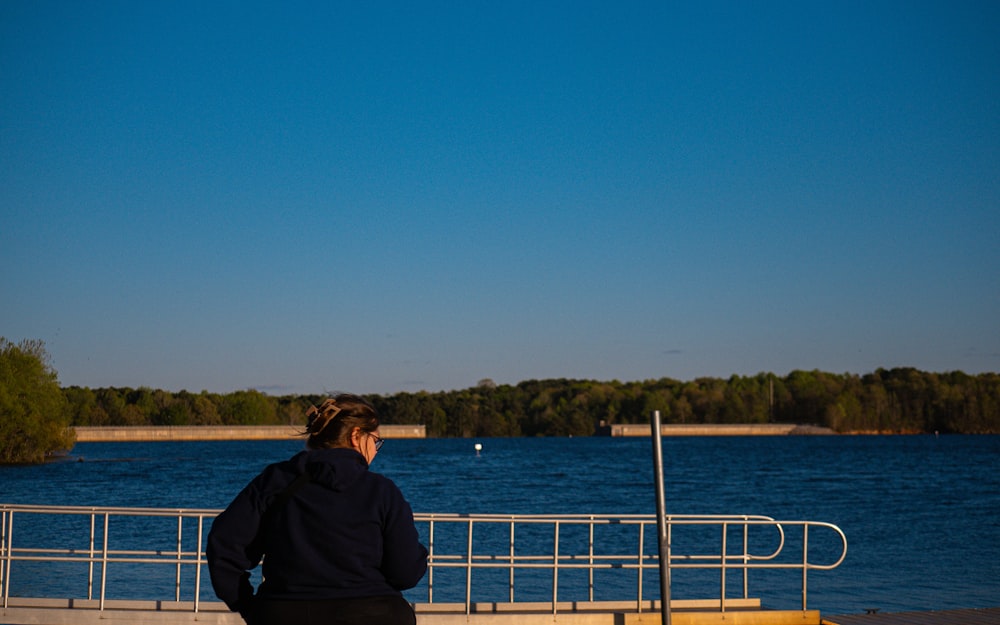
(336, 469)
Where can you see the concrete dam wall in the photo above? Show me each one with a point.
(716, 429)
(143, 433)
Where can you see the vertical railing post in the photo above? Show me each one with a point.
(640, 563)
(104, 562)
(510, 574)
(8, 547)
(590, 560)
(90, 563)
(722, 567)
(555, 568)
(661, 521)
(177, 573)
(430, 558)
(197, 570)
(468, 573)
(805, 561)
(746, 557)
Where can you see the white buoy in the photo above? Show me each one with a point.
(479, 448)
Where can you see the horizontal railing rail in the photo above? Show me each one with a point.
(508, 559)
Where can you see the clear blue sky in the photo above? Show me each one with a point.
(378, 197)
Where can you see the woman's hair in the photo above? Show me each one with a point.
(331, 424)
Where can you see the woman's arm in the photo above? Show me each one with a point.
(404, 559)
(234, 549)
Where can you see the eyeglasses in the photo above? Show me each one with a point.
(379, 441)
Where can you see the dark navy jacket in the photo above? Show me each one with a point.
(347, 532)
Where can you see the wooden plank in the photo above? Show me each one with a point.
(971, 616)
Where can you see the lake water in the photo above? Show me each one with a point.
(921, 513)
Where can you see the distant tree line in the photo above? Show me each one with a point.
(36, 414)
(901, 400)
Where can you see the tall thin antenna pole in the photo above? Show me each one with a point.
(661, 520)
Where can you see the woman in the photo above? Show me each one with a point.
(338, 541)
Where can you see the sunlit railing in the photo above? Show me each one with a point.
(559, 560)
(629, 551)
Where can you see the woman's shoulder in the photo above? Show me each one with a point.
(381, 483)
(280, 474)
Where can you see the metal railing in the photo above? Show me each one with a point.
(515, 559)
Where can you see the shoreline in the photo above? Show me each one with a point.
(153, 433)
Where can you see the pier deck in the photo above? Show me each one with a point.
(24, 611)
(63, 612)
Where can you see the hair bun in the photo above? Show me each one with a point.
(320, 417)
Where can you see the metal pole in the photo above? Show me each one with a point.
(661, 520)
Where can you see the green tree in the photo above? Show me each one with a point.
(205, 409)
(83, 408)
(34, 413)
(250, 407)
